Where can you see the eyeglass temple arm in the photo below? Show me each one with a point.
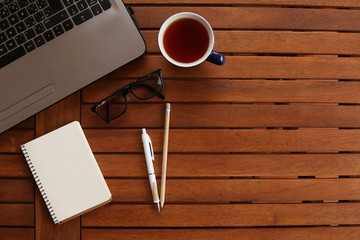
(107, 112)
(160, 95)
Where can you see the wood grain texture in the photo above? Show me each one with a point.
(281, 42)
(26, 124)
(17, 233)
(14, 165)
(17, 215)
(256, 17)
(11, 140)
(231, 115)
(236, 165)
(264, 147)
(310, 233)
(237, 91)
(228, 140)
(238, 190)
(245, 67)
(223, 215)
(17, 190)
(317, 3)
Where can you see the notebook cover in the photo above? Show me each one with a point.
(66, 172)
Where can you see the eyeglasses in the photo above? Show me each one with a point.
(116, 104)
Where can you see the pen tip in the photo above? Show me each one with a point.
(158, 207)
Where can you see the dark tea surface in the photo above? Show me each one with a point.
(186, 40)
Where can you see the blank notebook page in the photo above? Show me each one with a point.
(65, 168)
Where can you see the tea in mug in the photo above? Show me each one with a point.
(186, 40)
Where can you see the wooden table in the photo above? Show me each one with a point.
(265, 147)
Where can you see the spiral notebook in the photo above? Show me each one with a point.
(66, 172)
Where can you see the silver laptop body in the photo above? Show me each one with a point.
(67, 63)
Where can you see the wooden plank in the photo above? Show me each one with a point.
(56, 116)
(11, 140)
(230, 115)
(13, 165)
(238, 190)
(17, 233)
(309, 233)
(215, 91)
(223, 215)
(250, 67)
(26, 124)
(317, 3)
(256, 17)
(226, 165)
(275, 42)
(312, 140)
(16, 190)
(17, 215)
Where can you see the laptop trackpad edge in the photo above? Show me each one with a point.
(27, 101)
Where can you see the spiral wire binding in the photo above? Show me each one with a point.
(38, 182)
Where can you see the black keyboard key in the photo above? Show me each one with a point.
(29, 46)
(42, 4)
(23, 14)
(58, 30)
(73, 10)
(23, 3)
(30, 34)
(20, 27)
(11, 44)
(105, 4)
(91, 2)
(30, 21)
(68, 2)
(3, 49)
(68, 25)
(20, 39)
(56, 5)
(3, 37)
(82, 17)
(12, 56)
(56, 19)
(10, 32)
(32, 8)
(13, 19)
(7, 2)
(49, 11)
(96, 9)
(82, 5)
(13, 7)
(4, 12)
(39, 17)
(48, 35)
(4, 24)
(39, 41)
(39, 28)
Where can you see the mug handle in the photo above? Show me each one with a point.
(216, 58)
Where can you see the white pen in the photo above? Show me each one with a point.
(149, 157)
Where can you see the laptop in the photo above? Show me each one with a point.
(51, 48)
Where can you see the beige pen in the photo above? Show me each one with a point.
(165, 154)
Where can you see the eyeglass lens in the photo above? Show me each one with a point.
(148, 86)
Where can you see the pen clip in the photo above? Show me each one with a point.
(151, 147)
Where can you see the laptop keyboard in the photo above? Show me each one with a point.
(28, 24)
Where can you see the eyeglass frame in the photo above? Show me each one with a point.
(124, 91)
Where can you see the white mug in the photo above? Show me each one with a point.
(206, 53)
